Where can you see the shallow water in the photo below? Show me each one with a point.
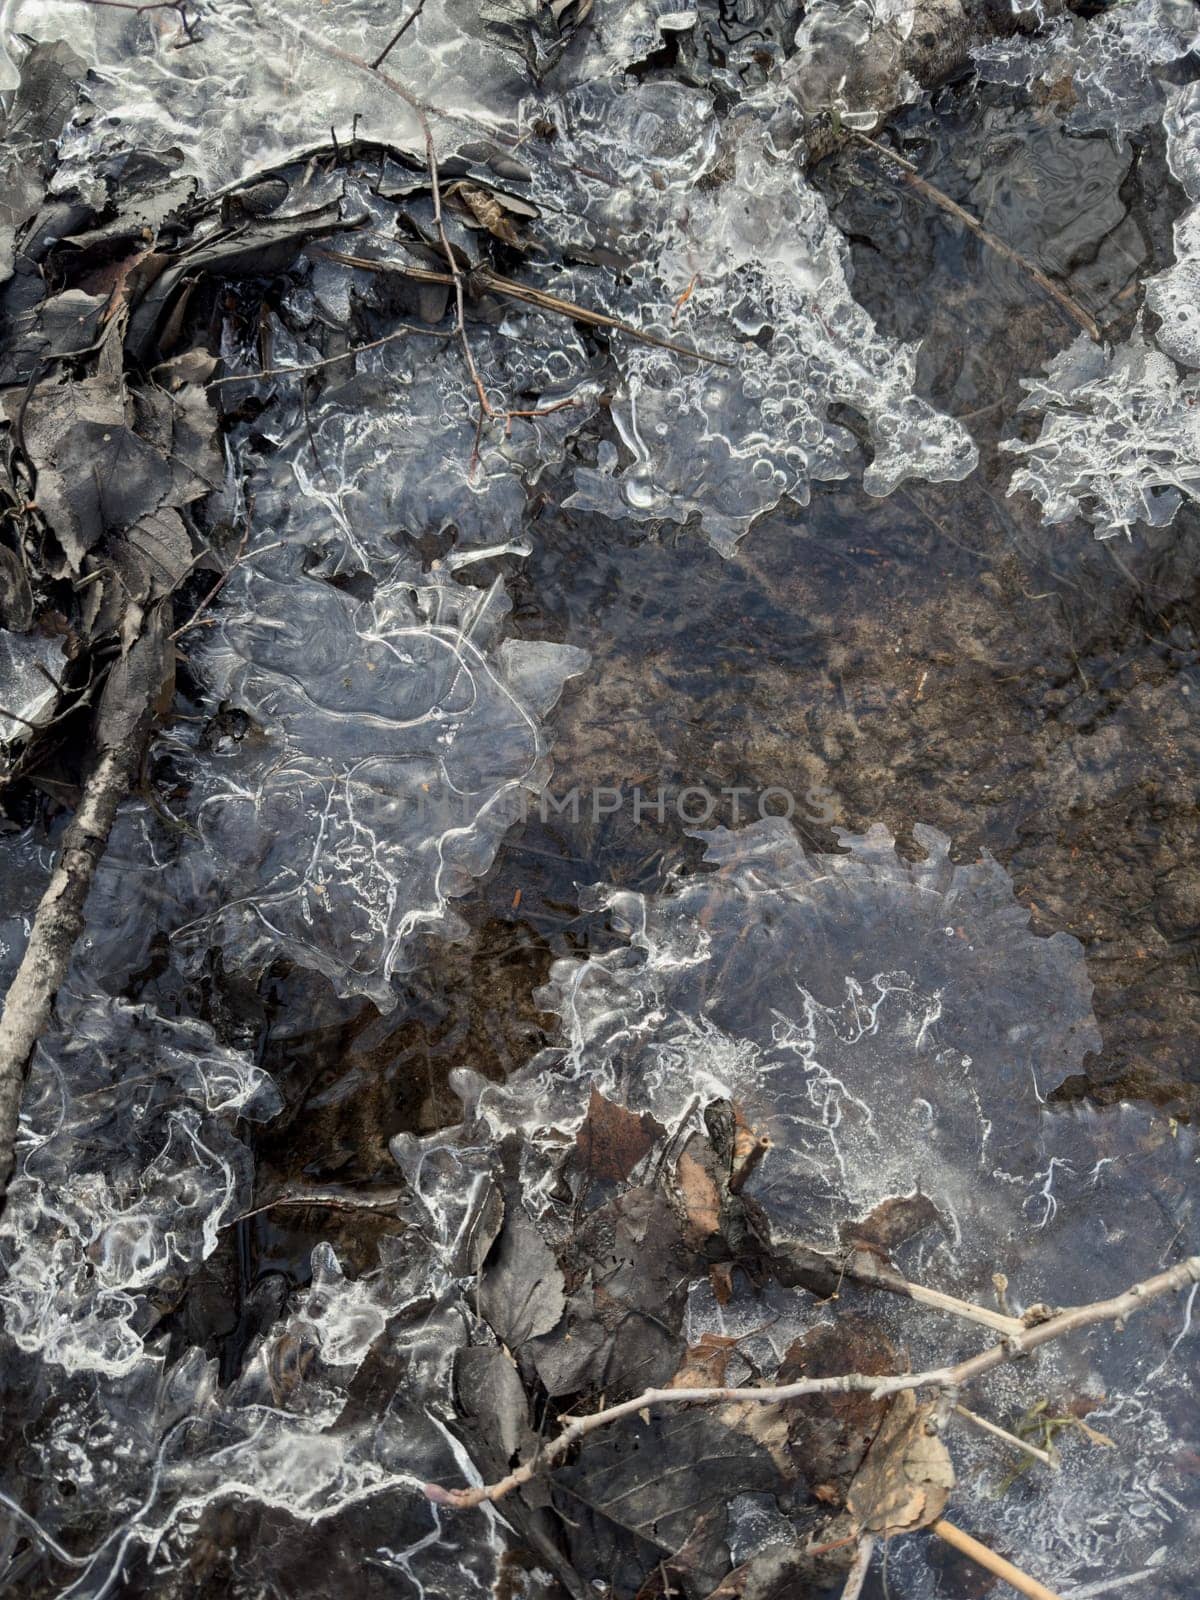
(746, 630)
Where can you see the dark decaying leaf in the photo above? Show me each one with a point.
(492, 1406)
(521, 1288)
(627, 1271)
(892, 1223)
(94, 474)
(141, 566)
(637, 1495)
(783, 1572)
(138, 685)
(538, 30)
(16, 596)
(45, 98)
(829, 1435)
(67, 324)
(492, 211)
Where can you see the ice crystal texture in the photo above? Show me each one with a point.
(872, 1015)
(749, 267)
(127, 1169)
(898, 1030)
(1119, 440)
(1174, 295)
(847, 59)
(392, 743)
(694, 228)
(1102, 65)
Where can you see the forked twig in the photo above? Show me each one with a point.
(941, 1378)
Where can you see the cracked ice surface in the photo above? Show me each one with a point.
(1120, 436)
(201, 103)
(127, 1168)
(393, 742)
(692, 227)
(1118, 1515)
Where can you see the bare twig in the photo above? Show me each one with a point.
(931, 192)
(58, 920)
(485, 278)
(991, 1562)
(857, 1575)
(866, 1268)
(329, 361)
(398, 35)
(951, 1377)
(1010, 1439)
(194, 620)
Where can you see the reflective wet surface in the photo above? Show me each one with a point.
(448, 689)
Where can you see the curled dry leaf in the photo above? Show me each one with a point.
(907, 1477)
(490, 212)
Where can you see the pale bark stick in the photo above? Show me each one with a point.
(1009, 1439)
(857, 1575)
(991, 1562)
(57, 924)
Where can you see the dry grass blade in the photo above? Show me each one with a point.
(484, 278)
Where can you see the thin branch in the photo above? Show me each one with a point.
(865, 1268)
(398, 35)
(857, 1575)
(951, 1377)
(329, 361)
(991, 1562)
(930, 191)
(193, 621)
(1010, 1439)
(123, 732)
(485, 278)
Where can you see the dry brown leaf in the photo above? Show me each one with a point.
(705, 1363)
(701, 1197)
(907, 1477)
(611, 1140)
(488, 212)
